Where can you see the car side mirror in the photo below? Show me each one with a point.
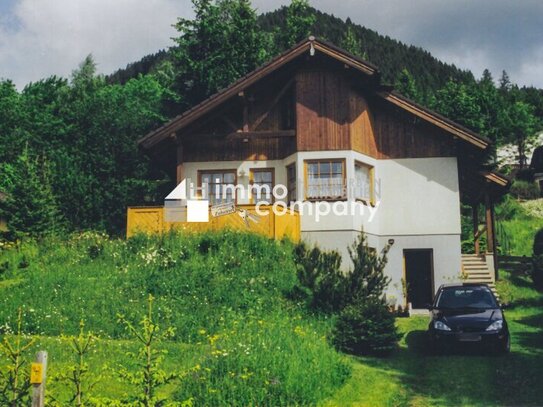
(430, 307)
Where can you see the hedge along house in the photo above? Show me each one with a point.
(315, 117)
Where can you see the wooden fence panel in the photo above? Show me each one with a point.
(151, 220)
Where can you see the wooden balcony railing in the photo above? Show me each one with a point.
(143, 219)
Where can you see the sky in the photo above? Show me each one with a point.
(39, 38)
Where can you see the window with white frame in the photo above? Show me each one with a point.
(363, 182)
(325, 179)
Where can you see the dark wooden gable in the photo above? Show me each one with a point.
(257, 124)
(336, 110)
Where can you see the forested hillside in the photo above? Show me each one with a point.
(68, 153)
(391, 56)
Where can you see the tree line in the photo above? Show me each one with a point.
(68, 153)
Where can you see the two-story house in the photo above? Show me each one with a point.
(317, 119)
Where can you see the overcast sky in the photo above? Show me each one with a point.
(39, 38)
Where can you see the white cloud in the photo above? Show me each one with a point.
(531, 70)
(53, 37)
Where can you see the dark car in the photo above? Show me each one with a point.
(468, 313)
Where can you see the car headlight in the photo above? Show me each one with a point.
(496, 325)
(440, 326)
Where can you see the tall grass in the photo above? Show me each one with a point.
(517, 224)
(223, 292)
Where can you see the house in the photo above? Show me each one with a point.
(316, 119)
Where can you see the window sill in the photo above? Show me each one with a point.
(367, 202)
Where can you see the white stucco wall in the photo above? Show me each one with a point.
(418, 207)
(419, 196)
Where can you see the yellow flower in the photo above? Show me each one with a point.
(202, 331)
(299, 331)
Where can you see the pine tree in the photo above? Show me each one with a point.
(406, 85)
(365, 325)
(367, 278)
(351, 43)
(30, 205)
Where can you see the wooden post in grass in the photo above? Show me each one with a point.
(38, 374)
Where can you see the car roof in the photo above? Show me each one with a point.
(460, 285)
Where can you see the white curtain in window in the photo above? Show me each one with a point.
(362, 188)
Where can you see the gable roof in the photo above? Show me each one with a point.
(312, 45)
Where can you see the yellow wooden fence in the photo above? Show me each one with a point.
(141, 219)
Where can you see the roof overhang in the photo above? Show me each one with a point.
(475, 185)
(434, 118)
(309, 45)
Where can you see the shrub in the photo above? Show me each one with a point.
(367, 279)
(320, 278)
(537, 259)
(366, 325)
(366, 328)
(524, 190)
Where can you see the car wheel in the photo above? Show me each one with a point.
(506, 347)
(434, 348)
(503, 348)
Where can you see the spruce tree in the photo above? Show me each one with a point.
(365, 325)
(30, 206)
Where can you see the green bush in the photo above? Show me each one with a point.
(366, 325)
(366, 328)
(524, 190)
(320, 278)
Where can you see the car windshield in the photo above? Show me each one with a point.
(466, 297)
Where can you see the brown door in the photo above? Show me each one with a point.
(419, 270)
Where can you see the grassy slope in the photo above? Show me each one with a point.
(287, 343)
(520, 225)
(224, 293)
(412, 377)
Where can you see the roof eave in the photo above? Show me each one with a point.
(241, 84)
(435, 118)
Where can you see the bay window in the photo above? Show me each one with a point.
(325, 179)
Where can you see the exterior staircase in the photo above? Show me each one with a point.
(476, 270)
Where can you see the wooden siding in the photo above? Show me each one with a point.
(207, 140)
(327, 112)
(322, 111)
(237, 150)
(333, 115)
(362, 124)
(401, 135)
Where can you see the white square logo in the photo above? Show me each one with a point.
(197, 210)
